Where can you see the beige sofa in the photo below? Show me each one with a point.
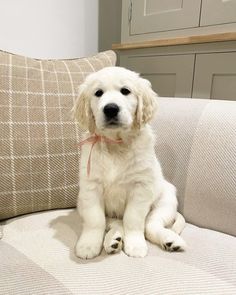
(196, 144)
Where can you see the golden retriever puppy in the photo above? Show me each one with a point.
(123, 195)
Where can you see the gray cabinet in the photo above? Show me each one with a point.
(170, 75)
(218, 12)
(215, 76)
(199, 69)
(194, 74)
(161, 15)
(151, 19)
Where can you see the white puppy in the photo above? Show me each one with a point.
(121, 180)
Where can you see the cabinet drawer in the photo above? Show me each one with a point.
(218, 12)
(150, 16)
(215, 76)
(170, 75)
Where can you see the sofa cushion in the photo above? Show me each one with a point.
(39, 155)
(196, 145)
(37, 253)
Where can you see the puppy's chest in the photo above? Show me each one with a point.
(112, 167)
(114, 175)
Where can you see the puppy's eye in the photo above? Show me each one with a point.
(99, 93)
(125, 91)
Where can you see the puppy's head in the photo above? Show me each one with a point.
(114, 98)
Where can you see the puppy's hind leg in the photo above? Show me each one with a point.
(179, 224)
(163, 215)
(113, 241)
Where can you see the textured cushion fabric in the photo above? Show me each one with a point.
(38, 151)
(196, 145)
(29, 278)
(37, 253)
(1, 231)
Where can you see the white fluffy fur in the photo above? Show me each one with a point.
(125, 197)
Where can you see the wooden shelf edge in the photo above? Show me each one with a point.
(209, 38)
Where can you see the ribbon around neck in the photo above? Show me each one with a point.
(93, 140)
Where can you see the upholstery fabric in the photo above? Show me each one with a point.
(196, 145)
(37, 257)
(195, 142)
(39, 155)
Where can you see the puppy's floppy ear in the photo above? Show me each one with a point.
(147, 102)
(82, 111)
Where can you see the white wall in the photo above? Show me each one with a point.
(49, 28)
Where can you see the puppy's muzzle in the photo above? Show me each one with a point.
(111, 112)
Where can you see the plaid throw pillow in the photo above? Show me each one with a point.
(39, 156)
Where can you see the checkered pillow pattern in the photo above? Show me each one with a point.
(39, 155)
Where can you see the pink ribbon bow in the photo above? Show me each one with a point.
(93, 140)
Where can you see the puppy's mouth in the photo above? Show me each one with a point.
(113, 123)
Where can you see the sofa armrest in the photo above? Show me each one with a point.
(196, 144)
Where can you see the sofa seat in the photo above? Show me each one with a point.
(37, 257)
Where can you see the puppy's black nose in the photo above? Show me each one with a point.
(111, 110)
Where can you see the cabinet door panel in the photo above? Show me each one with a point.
(163, 15)
(163, 84)
(215, 76)
(170, 76)
(218, 12)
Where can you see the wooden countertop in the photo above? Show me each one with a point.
(219, 37)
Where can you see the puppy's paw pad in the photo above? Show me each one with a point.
(115, 246)
(177, 245)
(113, 242)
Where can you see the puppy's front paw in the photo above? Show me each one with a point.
(135, 245)
(87, 250)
